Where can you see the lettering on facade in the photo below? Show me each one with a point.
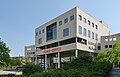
(52, 50)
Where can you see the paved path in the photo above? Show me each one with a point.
(10, 72)
(114, 73)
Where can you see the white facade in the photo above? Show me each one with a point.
(68, 35)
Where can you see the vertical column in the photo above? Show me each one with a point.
(76, 53)
(36, 59)
(59, 60)
(46, 62)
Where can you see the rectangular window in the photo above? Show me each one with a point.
(36, 33)
(96, 26)
(84, 31)
(80, 17)
(88, 22)
(114, 39)
(93, 25)
(71, 17)
(60, 23)
(84, 20)
(92, 35)
(110, 46)
(66, 32)
(40, 41)
(43, 31)
(106, 46)
(89, 33)
(96, 36)
(39, 32)
(66, 20)
(80, 30)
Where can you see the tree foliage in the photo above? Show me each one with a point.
(4, 54)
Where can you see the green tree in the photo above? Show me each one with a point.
(4, 54)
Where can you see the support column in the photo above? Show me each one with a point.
(59, 60)
(76, 53)
(46, 62)
(36, 59)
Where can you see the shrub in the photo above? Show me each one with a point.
(29, 69)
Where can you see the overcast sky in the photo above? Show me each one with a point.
(19, 18)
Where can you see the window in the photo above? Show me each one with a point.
(39, 32)
(84, 31)
(110, 46)
(92, 35)
(66, 20)
(71, 17)
(40, 41)
(96, 36)
(110, 39)
(106, 46)
(88, 22)
(84, 20)
(99, 47)
(43, 31)
(114, 39)
(60, 23)
(106, 39)
(93, 25)
(36, 33)
(96, 26)
(82, 41)
(80, 17)
(80, 30)
(89, 33)
(66, 32)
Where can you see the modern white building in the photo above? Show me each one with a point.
(67, 36)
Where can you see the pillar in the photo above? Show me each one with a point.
(76, 53)
(36, 59)
(59, 60)
(46, 62)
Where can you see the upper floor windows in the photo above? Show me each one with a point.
(71, 17)
(84, 20)
(96, 36)
(92, 35)
(96, 26)
(43, 31)
(88, 22)
(80, 17)
(65, 32)
(84, 31)
(93, 25)
(40, 41)
(36, 34)
(66, 20)
(89, 33)
(80, 29)
(60, 23)
(39, 32)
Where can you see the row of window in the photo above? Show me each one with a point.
(83, 31)
(89, 22)
(108, 46)
(65, 33)
(111, 39)
(66, 20)
(39, 32)
(30, 53)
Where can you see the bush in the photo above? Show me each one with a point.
(29, 69)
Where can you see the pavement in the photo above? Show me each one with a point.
(10, 72)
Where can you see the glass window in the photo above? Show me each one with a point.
(84, 31)
(71, 17)
(80, 30)
(40, 41)
(93, 25)
(43, 31)
(106, 39)
(89, 33)
(65, 20)
(36, 33)
(110, 39)
(88, 22)
(110, 46)
(84, 20)
(66, 32)
(106, 46)
(114, 39)
(92, 35)
(60, 23)
(96, 26)
(96, 36)
(80, 17)
(39, 32)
